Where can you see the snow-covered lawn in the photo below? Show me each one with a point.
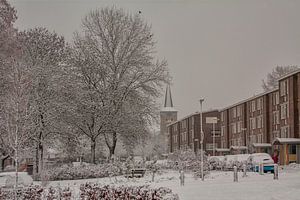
(219, 185)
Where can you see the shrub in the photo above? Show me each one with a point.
(90, 191)
(67, 172)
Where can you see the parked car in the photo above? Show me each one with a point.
(257, 158)
(235, 160)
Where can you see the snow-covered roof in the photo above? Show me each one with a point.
(261, 145)
(249, 99)
(238, 147)
(289, 74)
(286, 141)
(193, 114)
(222, 150)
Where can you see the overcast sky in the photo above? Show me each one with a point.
(218, 50)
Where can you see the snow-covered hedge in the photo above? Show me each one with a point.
(91, 191)
(67, 172)
(37, 193)
(95, 191)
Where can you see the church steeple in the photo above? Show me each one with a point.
(168, 114)
(168, 97)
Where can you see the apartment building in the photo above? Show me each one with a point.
(185, 133)
(265, 122)
(262, 123)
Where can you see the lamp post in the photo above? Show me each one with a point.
(201, 140)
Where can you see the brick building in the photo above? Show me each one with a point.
(261, 123)
(185, 133)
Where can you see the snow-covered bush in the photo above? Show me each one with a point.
(95, 191)
(37, 193)
(67, 172)
(188, 160)
(90, 191)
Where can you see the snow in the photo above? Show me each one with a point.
(262, 145)
(218, 185)
(7, 179)
(286, 141)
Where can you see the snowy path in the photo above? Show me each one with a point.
(219, 185)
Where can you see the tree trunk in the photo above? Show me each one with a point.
(41, 150)
(2, 164)
(112, 148)
(93, 150)
(36, 163)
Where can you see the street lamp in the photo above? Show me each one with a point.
(201, 140)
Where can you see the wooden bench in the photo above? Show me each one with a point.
(136, 173)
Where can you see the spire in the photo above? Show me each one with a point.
(168, 98)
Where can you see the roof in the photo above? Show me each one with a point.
(249, 99)
(193, 114)
(168, 98)
(238, 147)
(262, 145)
(278, 141)
(222, 150)
(289, 74)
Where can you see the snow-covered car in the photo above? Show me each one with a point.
(216, 162)
(235, 160)
(261, 158)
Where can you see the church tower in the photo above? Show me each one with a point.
(168, 114)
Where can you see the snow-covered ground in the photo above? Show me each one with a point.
(219, 185)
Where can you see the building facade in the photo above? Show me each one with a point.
(185, 133)
(262, 123)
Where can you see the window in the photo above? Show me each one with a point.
(252, 123)
(193, 120)
(275, 117)
(175, 138)
(276, 98)
(233, 126)
(210, 146)
(258, 104)
(292, 149)
(222, 116)
(283, 88)
(259, 122)
(175, 127)
(239, 111)
(183, 124)
(284, 132)
(222, 131)
(252, 107)
(284, 111)
(234, 112)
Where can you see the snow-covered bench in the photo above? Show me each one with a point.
(137, 173)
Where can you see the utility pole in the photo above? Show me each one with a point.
(201, 140)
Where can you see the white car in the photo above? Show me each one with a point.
(238, 160)
(261, 158)
(257, 158)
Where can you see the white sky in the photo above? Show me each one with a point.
(219, 50)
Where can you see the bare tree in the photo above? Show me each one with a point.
(43, 51)
(15, 115)
(271, 81)
(113, 58)
(7, 31)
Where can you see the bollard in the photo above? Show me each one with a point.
(235, 174)
(275, 172)
(261, 168)
(244, 170)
